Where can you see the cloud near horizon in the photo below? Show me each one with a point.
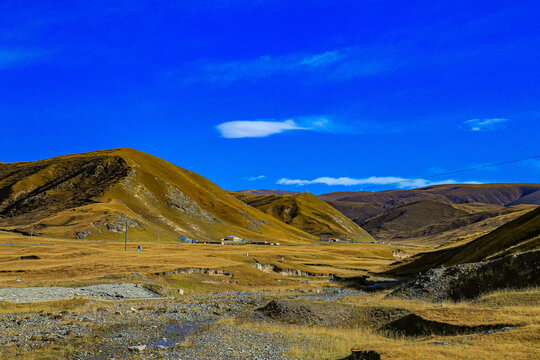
(484, 124)
(264, 128)
(255, 178)
(401, 182)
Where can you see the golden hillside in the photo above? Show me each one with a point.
(307, 212)
(98, 192)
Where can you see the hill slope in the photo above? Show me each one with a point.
(98, 192)
(521, 234)
(496, 194)
(259, 192)
(308, 213)
(435, 222)
(435, 214)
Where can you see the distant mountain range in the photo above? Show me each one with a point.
(431, 215)
(97, 193)
(435, 214)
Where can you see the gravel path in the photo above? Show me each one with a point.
(118, 291)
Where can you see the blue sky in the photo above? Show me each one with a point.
(317, 95)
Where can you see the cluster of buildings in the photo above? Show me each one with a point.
(228, 240)
(330, 239)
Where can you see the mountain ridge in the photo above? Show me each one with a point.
(98, 192)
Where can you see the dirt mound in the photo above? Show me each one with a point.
(307, 313)
(413, 325)
(468, 281)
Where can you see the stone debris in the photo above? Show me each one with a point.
(118, 291)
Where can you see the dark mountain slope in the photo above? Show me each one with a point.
(521, 234)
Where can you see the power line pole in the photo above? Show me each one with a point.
(125, 240)
(32, 233)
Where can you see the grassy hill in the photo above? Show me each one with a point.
(267, 192)
(308, 213)
(99, 192)
(521, 234)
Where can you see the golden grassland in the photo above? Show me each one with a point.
(74, 262)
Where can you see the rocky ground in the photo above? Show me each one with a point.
(468, 281)
(192, 327)
(119, 291)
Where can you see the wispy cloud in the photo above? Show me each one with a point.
(484, 124)
(264, 128)
(16, 57)
(400, 182)
(255, 178)
(339, 64)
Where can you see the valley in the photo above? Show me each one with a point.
(95, 263)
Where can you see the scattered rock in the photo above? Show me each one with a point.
(468, 281)
(137, 348)
(401, 254)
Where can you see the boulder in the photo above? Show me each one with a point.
(359, 354)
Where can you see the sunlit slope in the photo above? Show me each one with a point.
(308, 213)
(99, 192)
(521, 234)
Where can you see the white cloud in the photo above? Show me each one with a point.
(344, 181)
(263, 128)
(255, 178)
(373, 180)
(485, 124)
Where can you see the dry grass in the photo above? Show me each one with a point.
(73, 263)
(46, 306)
(315, 342)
